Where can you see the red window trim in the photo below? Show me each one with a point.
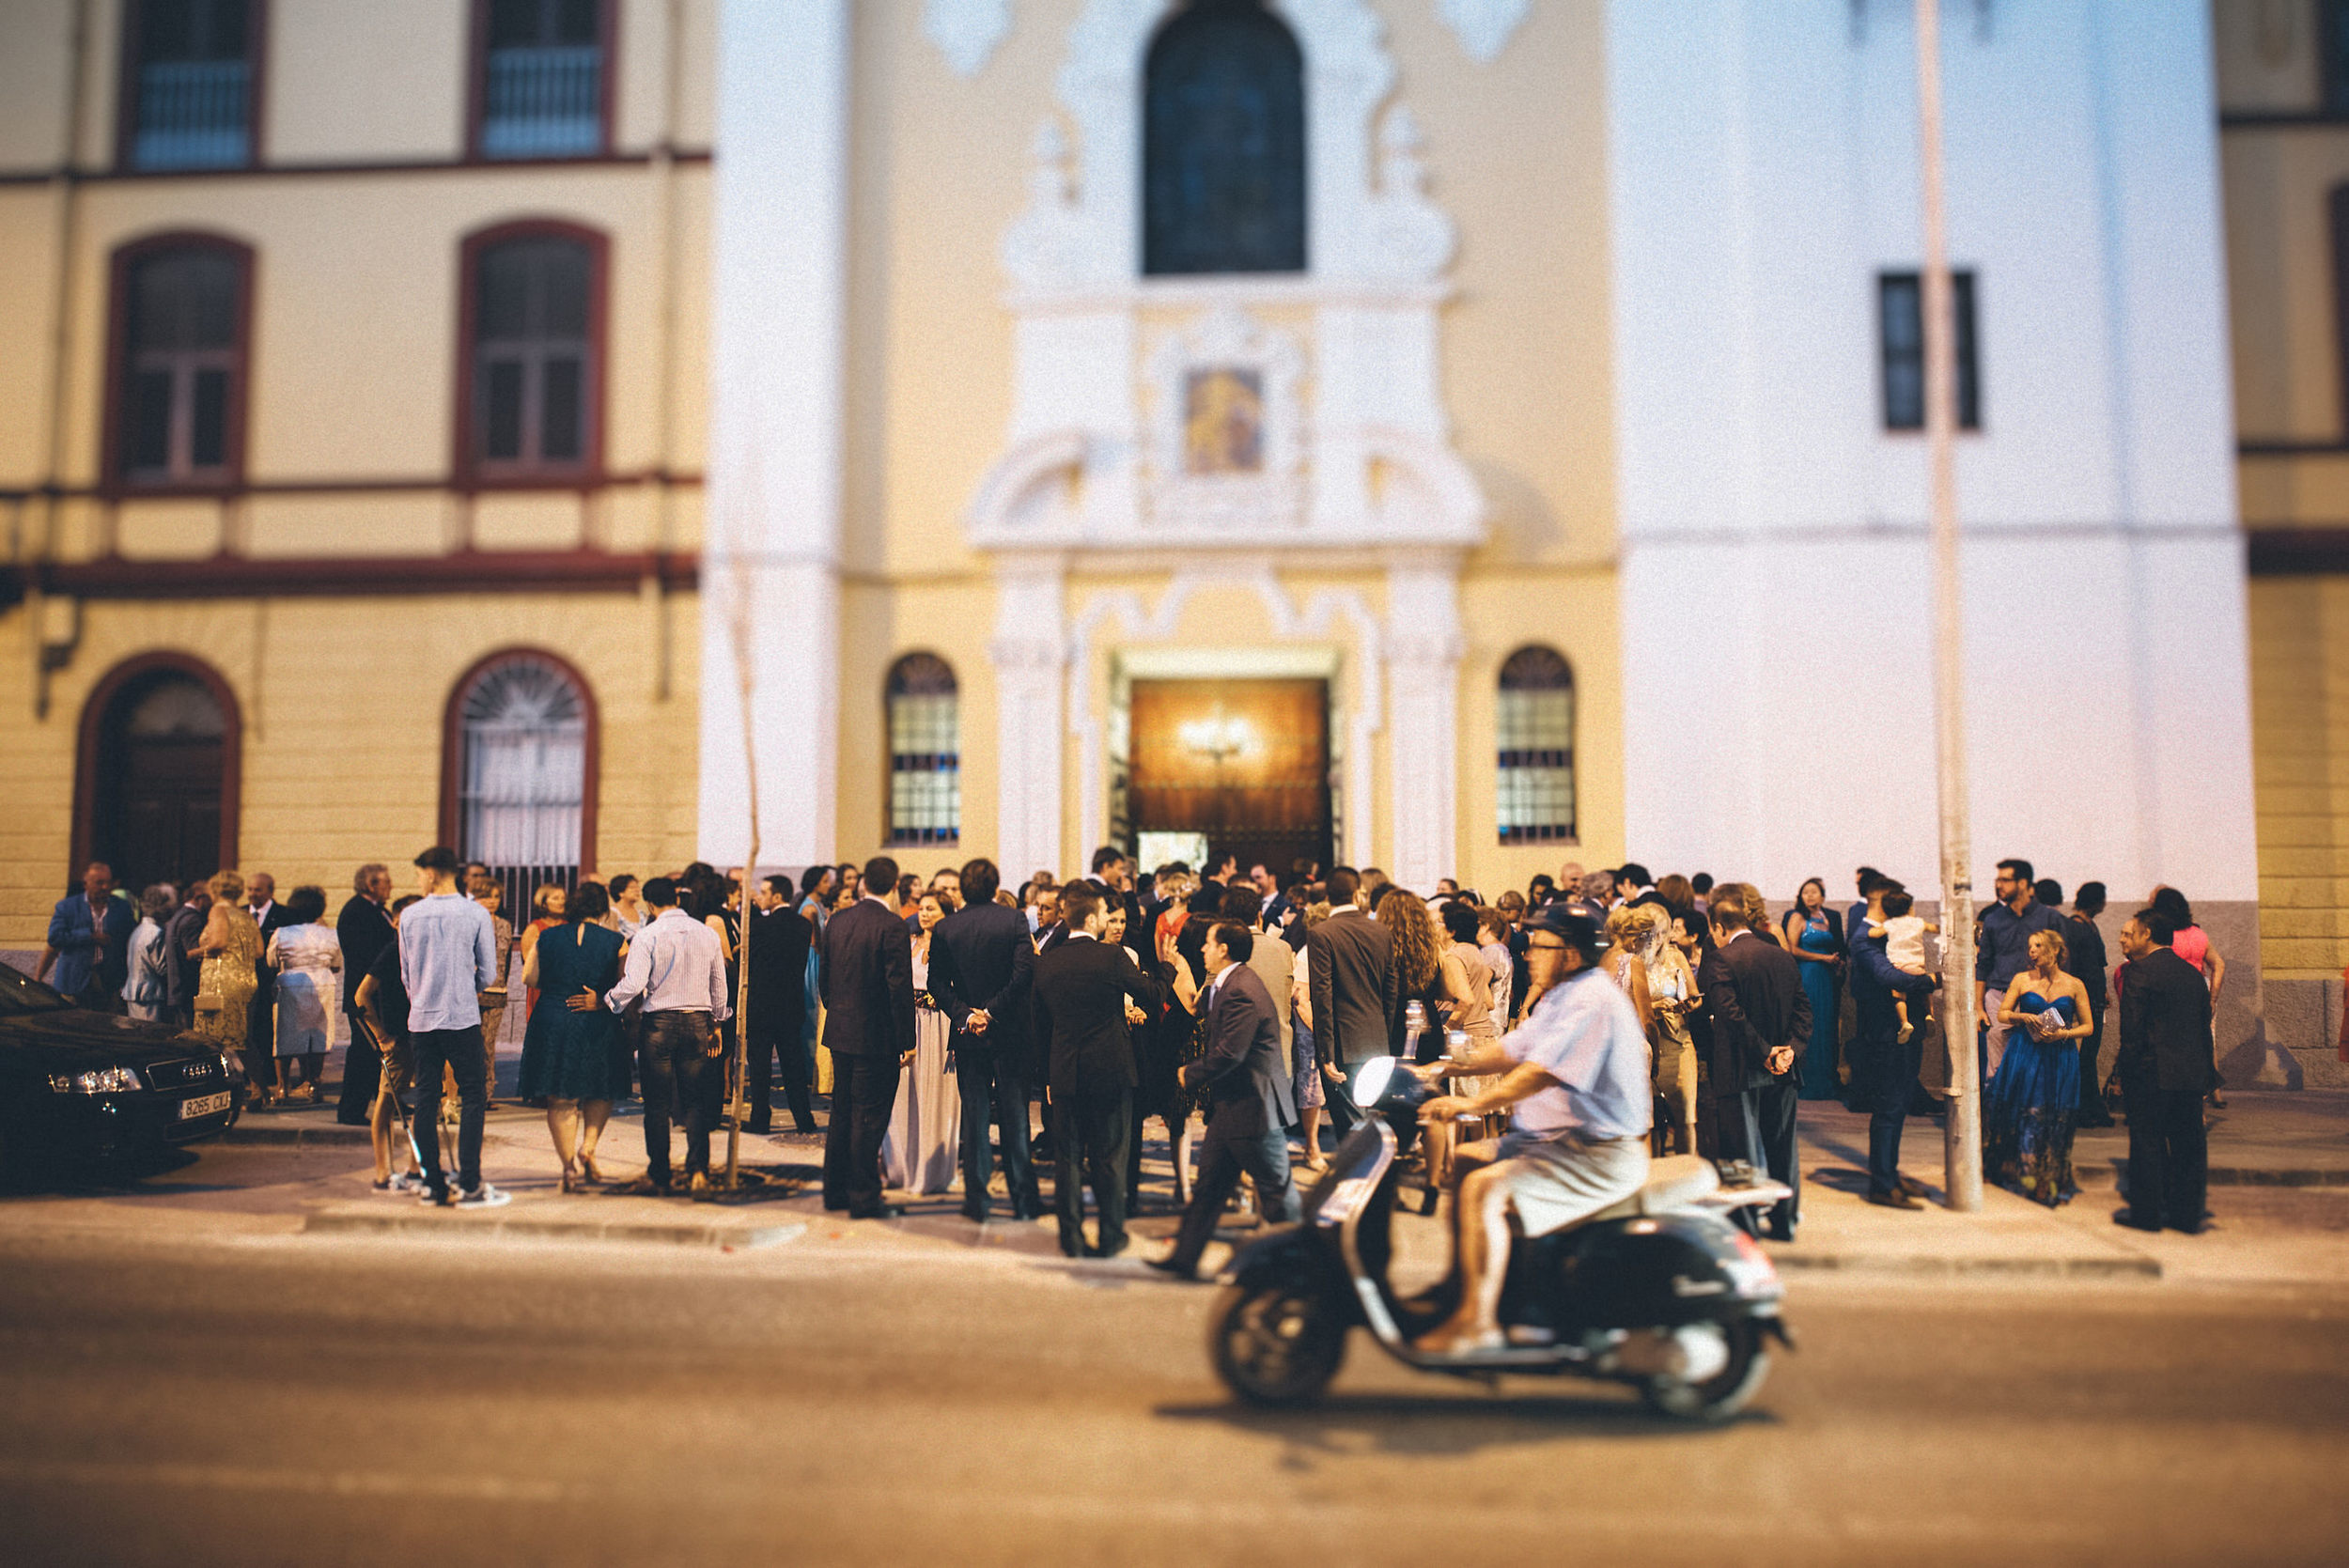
(126, 94)
(588, 472)
(94, 706)
(478, 82)
(113, 482)
(452, 744)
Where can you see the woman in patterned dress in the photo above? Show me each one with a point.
(230, 946)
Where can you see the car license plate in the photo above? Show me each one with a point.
(203, 1105)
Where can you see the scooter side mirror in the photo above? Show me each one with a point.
(1385, 1084)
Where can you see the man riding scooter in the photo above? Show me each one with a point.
(1577, 1072)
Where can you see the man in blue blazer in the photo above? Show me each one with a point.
(89, 942)
(1249, 1102)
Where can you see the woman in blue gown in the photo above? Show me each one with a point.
(2033, 1103)
(572, 1056)
(1814, 935)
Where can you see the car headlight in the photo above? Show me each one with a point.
(230, 1066)
(106, 1081)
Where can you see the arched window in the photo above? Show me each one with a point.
(924, 752)
(157, 797)
(1224, 144)
(534, 329)
(1534, 717)
(519, 789)
(178, 375)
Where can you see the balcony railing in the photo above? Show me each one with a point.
(194, 114)
(543, 102)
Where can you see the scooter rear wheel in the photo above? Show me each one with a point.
(1723, 1394)
(1276, 1345)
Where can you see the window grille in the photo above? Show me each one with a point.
(543, 87)
(522, 776)
(924, 752)
(191, 85)
(185, 352)
(1535, 728)
(1224, 144)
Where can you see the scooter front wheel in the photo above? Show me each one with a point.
(1723, 1394)
(1276, 1345)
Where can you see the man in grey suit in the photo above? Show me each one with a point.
(1248, 1098)
(1350, 970)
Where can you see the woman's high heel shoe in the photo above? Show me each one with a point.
(571, 1181)
(588, 1175)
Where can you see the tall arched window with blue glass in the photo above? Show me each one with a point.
(1224, 144)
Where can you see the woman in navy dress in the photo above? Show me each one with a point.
(2033, 1103)
(1814, 935)
(573, 1055)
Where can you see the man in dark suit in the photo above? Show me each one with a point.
(777, 946)
(1085, 1001)
(982, 961)
(364, 928)
(867, 986)
(1350, 974)
(2167, 1065)
(261, 1013)
(89, 942)
(1761, 1019)
(1249, 1103)
(1883, 1067)
(2084, 960)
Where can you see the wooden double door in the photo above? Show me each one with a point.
(1245, 763)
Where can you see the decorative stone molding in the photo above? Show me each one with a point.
(1424, 647)
(1260, 487)
(1027, 651)
(1484, 27)
(967, 31)
(1325, 613)
(1087, 234)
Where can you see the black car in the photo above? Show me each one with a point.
(77, 1085)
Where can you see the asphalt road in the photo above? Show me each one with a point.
(196, 1395)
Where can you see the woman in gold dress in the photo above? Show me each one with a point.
(230, 945)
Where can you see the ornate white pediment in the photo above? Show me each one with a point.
(1484, 26)
(1293, 410)
(967, 31)
(1227, 442)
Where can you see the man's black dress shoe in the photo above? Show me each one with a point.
(2190, 1227)
(887, 1211)
(1911, 1185)
(1113, 1250)
(760, 1126)
(2123, 1216)
(1900, 1200)
(977, 1216)
(1172, 1269)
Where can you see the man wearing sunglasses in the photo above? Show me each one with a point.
(1577, 1072)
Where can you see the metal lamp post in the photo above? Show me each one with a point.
(1962, 1130)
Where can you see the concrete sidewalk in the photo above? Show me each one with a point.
(2282, 1207)
(2279, 1161)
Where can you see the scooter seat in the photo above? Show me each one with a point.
(1673, 1182)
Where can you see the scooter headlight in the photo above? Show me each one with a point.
(1370, 1084)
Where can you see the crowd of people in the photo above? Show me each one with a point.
(938, 1016)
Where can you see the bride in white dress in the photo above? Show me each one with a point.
(920, 1154)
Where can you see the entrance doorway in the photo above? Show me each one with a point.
(1244, 763)
(156, 779)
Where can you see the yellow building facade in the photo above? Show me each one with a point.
(2285, 97)
(417, 417)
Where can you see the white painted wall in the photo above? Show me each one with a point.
(1763, 170)
(776, 387)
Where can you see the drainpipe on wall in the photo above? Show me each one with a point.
(64, 189)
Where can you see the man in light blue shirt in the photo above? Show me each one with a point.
(1577, 1072)
(447, 958)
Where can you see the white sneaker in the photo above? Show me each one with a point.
(482, 1197)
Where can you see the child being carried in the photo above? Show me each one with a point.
(1904, 936)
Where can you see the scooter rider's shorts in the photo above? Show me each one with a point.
(1557, 1180)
